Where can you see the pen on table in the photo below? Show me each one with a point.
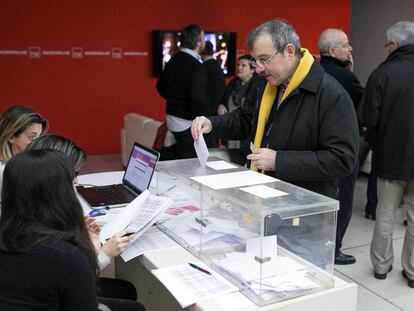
(107, 207)
(126, 234)
(199, 269)
(171, 188)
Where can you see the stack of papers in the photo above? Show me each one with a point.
(137, 216)
(148, 242)
(280, 276)
(218, 233)
(181, 203)
(189, 285)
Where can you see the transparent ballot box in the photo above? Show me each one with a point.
(273, 240)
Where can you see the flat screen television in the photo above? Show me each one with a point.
(167, 42)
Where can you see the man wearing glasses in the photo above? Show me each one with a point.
(387, 111)
(303, 129)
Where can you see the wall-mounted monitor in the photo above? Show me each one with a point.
(167, 42)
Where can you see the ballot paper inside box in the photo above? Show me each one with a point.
(273, 240)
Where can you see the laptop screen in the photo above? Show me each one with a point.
(141, 166)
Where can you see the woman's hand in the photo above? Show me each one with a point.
(94, 231)
(117, 244)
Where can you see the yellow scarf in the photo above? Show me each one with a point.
(270, 94)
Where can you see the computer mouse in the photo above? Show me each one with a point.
(96, 213)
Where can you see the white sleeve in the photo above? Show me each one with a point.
(103, 260)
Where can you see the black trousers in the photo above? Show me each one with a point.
(115, 288)
(185, 145)
(345, 196)
(372, 198)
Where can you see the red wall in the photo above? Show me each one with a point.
(85, 99)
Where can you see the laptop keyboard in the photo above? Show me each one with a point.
(115, 195)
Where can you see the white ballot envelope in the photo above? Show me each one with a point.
(201, 150)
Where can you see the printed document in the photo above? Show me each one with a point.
(148, 242)
(137, 216)
(189, 285)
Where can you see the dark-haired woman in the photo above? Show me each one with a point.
(234, 96)
(116, 293)
(46, 257)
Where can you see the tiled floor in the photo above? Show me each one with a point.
(374, 295)
(391, 294)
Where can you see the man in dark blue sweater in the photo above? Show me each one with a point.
(216, 80)
(336, 59)
(183, 83)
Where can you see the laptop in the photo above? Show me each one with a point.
(137, 178)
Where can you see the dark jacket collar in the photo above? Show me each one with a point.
(404, 50)
(313, 79)
(332, 60)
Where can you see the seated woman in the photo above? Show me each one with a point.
(109, 290)
(234, 96)
(46, 257)
(19, 126)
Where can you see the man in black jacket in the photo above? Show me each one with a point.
(303, 127)
(216, 83)
(183, 83)
(336, 59)
(388, 114)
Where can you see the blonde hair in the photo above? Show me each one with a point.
(13, 122)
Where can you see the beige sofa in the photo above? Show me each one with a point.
(142, 129)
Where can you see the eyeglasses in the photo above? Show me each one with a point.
(386, 45)
(261, 63)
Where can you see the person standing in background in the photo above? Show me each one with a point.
(216, 83)
(336, 59)
(388, 112)
(234, 97)
(183, 83)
